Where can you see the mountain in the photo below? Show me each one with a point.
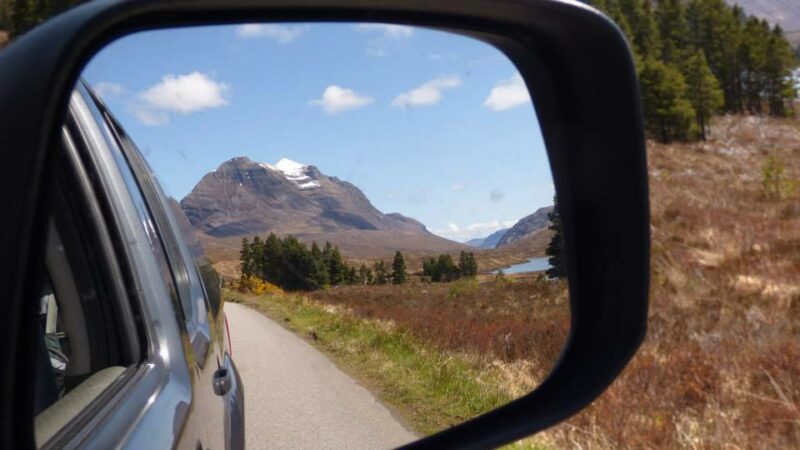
(242, 197)
(785, 13)
(488, 241)
(527, 226)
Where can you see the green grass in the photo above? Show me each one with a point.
(431, 389)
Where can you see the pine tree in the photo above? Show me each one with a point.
(704, 92)
(555, 249)
(257, 257)
(298, 266)
(320, 271)
(380, 273)
(467, 266)
(445, 269)
(752, 53)
(673, 29)
(364, 275)
(273, 260)
(428, 267)
(778, 65)
(667, 112)
(399, 268)
(336, 267)
(245, 259)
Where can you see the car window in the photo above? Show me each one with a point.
(185, 274)
(86, 337)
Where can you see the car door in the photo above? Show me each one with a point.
(161, 391)
(218, 398)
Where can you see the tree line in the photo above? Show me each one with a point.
(443, 268)
(292, 265)
(698, 58)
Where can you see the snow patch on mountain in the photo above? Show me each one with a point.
(295, 172)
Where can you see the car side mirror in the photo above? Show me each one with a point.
(575, 60)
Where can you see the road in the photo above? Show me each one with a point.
(296, 398)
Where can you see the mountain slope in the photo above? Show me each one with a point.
(488, 241)
(243, 197)
(527, 226)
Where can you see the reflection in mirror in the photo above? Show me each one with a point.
(380, 191)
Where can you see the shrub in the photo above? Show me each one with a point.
(462, 287)
(257, 286)
(774, 181)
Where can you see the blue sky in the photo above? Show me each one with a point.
(436, 126)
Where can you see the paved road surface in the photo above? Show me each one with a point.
(295, 398)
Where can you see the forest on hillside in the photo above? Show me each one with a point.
(698, 58)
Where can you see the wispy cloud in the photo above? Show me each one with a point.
(336, 99)
(107, 90)
(439, 57)
(386, 30)
(427, 94)
(507, 94)
(472, 231)
(384, 36)
(283, 34)
(178, 94)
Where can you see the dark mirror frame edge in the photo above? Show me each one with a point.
(575, 62)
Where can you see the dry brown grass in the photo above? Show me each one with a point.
(720, 368)
(524, 319)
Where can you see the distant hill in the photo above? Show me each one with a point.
(244, 198)
(488, 241)
(527, 226)
(785, 13)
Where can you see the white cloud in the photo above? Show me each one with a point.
(177, 94)
(148, 116)
(507, 94)
(336, 99)
(427, 94)
(185, 93)
(472, 231)
(280, 33)
(388, 31)
(107, 90)
(457, 187)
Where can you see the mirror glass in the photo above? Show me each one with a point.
(378, 202)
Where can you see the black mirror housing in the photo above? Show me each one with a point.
(575, 61)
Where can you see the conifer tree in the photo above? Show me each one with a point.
(380, 273)
(364, 275)
(555, 249)
(668, 113)
(779, 61)
(673, 29)
(467, 267)
(273, 260)
(336, 267)
(245, 259)
(399, 268)
(704, 92)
